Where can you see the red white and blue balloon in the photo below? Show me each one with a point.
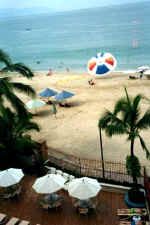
(101, 64)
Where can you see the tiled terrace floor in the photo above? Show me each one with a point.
(27, 208)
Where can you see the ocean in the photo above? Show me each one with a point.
(69, 39)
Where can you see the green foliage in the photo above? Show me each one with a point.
(7, 87)
(13, 130)
(17, 122)
(133, 166)
(126, 119)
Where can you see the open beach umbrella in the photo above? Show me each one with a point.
(84, 188)
(47, 93)
(63, 95)
(102, 64)
(147, 72)
(142, 68)
(49, 183)
(10, 177)
(35, 103)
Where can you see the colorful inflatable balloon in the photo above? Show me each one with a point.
(101, 64)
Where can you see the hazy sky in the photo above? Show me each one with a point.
(61, 5)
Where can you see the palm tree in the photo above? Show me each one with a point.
(126, 119)
(7, 87)
(14, 143)
(15, 122)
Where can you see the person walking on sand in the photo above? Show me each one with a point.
(54, 109)
(141, 74)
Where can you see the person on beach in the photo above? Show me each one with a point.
(54, 109)
(50, 72)
(67, 70)
(141, 74)
(91, 82)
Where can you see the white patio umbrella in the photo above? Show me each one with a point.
(84, 188)
(10, 177)
(49, 183)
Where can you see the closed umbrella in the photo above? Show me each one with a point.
(10, 177)
(102, 64)
(84, 188)
(35, 103)
(63, 95)
(49, 183)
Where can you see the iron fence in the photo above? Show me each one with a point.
(113, 171)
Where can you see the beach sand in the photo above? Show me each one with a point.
(75, 130)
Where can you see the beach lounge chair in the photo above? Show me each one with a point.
(13, 221)
(133, 77)
(129, 222)
(3, 218)
(24, 222)
(127, 212)
(63, 104)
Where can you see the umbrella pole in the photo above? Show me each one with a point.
(102, 158)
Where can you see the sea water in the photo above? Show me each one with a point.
(69, 39)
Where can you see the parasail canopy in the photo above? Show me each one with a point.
(102, 64)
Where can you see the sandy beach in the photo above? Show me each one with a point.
(75, 130)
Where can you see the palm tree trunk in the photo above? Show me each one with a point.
(132, 154)
(102, 158)
(132, 147)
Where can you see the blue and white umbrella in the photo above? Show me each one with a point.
(47, 93)
(63, 95)
(102, 64)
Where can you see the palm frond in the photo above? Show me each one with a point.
(27, 89)
(137, 100)
(144, 147)
(25, 126)
(144, 122)
(104, 120)
(112, 124)
(23, 70)
(128, 98)
(121, 105)
(6, 114)
(4, 58)
(20, 68)
(6, 90)
(112, 129)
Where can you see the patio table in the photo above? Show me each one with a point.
(51, 201)
(84, 206)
